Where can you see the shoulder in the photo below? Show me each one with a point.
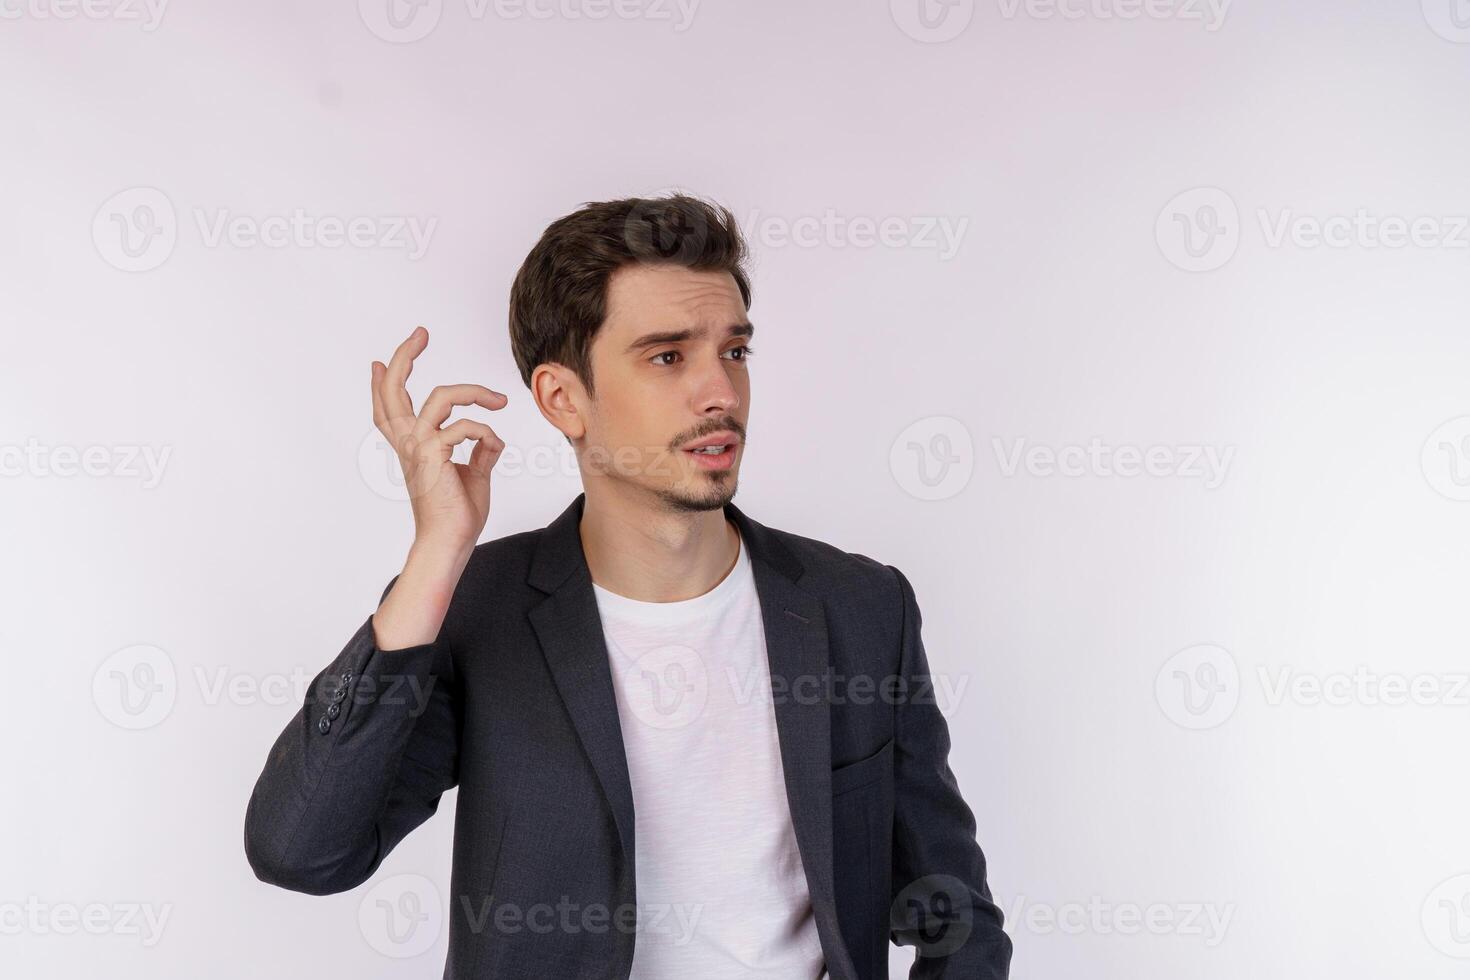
(831, 571)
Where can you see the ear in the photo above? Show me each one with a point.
(561, 398)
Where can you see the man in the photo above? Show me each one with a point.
(686, 745)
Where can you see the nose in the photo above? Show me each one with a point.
(715, 393)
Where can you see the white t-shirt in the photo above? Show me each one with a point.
(722, 894)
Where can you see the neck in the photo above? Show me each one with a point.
(641, 549)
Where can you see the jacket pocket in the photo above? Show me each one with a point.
(857, 774)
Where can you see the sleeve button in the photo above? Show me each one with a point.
(324, 725)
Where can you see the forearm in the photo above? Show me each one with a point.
(363, 761)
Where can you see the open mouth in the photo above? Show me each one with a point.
(713, 457)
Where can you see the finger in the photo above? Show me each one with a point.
(459, 430)
(484, 458)
(443, 398)
(380, 419)
(392, 388)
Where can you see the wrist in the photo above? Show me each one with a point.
(437, 562)
(430, 580)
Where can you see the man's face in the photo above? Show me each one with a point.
(669, 372)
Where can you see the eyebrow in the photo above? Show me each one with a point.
(746, 330)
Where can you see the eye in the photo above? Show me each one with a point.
(745, 351)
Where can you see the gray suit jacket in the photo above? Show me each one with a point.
(513, 703)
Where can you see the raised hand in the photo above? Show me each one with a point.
(451, 501)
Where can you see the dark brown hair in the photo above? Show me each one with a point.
(559, 297)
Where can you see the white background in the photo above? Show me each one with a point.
(1074, 147)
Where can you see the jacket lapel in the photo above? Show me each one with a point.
(570, 631)
(796, 645)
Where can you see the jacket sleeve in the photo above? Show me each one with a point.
(941, 903)
(362, 763)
